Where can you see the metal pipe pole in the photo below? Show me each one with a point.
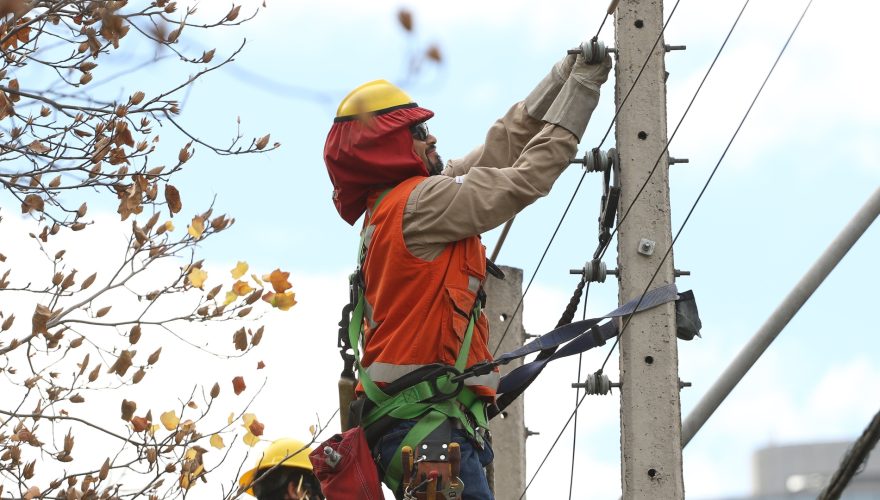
(780, 317)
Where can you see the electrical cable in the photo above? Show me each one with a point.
(610, 125)
(558, 436)
(693, 207)
(577, 396)
(711, 176)
(678, 125)
(574, 194)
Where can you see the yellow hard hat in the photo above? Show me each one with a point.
(372, 97)
(275, 454)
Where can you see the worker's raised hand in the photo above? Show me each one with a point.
(591, 76)
(579, 96)
(562, 68)
(542, 96)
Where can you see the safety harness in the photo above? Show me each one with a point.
(435, 395)
(438, 396)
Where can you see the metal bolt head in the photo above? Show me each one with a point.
(646, 247)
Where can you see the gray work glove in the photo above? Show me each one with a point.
(579, 96)
(540, 99)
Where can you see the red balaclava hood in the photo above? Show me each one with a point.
(366, 153)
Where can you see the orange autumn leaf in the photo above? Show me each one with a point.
(241, 288)
(278, 280)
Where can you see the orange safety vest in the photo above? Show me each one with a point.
(417, 311)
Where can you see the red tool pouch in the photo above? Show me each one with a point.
(350, 475)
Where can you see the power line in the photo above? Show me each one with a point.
(680, 121)
(573, 195)
(712, 174)
(696, 202)
(577, 396)
(558, 436)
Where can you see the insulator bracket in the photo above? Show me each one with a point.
(596, 383)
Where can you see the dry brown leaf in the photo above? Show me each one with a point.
(32, 202)
(238, 385)
(135, 334)
(233, 14)
(433, 54)
(88, 281)
(140, 424)
(154, 357)
(256, 427)
(40, 318)
(172, 197)
(239, 339)
(122, 363)
(406, 19)
(258, 336)
(128, 409)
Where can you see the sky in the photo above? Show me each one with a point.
(804, 162)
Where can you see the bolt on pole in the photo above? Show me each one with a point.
(650, 412)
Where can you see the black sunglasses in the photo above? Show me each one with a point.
(419, 131)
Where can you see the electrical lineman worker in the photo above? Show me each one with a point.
(423, 265)
(283, 472)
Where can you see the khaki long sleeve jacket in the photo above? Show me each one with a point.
(518, 163)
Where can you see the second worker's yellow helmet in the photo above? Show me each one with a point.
(286, 451)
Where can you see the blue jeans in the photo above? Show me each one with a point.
(473, 459)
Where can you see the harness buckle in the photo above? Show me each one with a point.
(446, 374)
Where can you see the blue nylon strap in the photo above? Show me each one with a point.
(571, 331)
(577, 337)
(526, 373)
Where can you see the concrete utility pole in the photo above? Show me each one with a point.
(508, 430)
(650, 412)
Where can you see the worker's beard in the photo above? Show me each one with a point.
(435, 167)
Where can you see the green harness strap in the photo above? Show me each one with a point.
(410, 403)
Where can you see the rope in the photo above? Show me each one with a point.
(572, 306)
(853, 461)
